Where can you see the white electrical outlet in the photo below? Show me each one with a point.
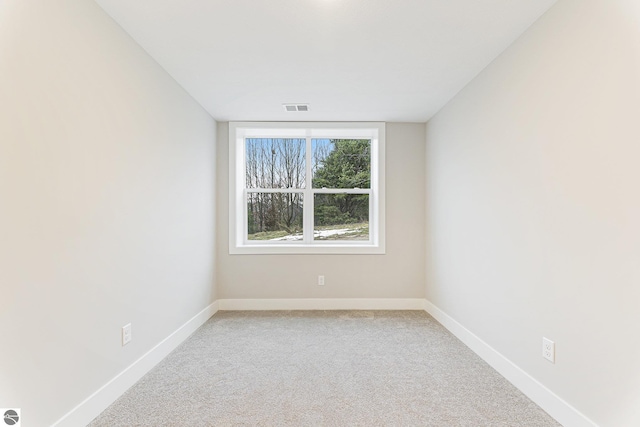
(126, 334)
(549, 350)
(320, 280)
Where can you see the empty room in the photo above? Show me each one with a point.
(320, 213)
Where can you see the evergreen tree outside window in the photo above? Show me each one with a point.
(306, 188)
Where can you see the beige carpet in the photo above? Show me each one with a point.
(323, 368)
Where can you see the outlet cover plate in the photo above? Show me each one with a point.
(126, 334)
(549, 350)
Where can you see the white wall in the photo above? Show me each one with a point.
(397, 274)
(534, 205)
(106, 204)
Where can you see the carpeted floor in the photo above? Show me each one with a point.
(323, 368)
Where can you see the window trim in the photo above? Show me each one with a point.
(238, 131)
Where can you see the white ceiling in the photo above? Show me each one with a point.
(351, 60)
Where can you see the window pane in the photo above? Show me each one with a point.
(341, 163)
(275, 163)
(341, 217)
(274, 216)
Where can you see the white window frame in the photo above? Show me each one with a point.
(239, 131)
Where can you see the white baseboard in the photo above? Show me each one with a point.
(323, 304)
(92, 406)
(563, 412)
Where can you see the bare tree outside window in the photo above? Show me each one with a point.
(275, 163)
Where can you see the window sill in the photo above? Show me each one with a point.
(328, 249)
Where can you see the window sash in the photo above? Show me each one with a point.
(308, 209)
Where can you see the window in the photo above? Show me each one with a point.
(305, 188)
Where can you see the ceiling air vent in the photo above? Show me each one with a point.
(296, 107)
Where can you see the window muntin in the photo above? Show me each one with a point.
(306, 188)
